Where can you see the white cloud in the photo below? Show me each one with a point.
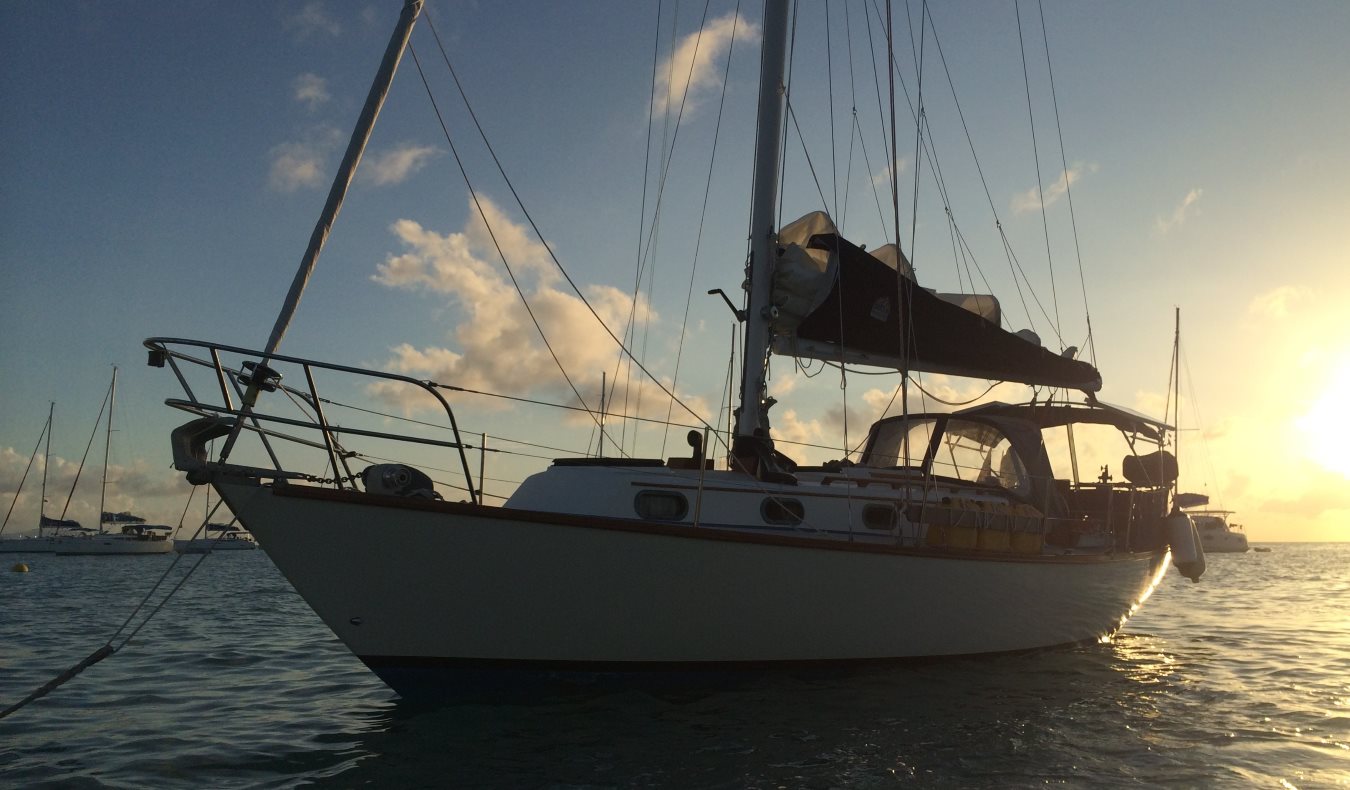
(313, 19)
(311, 90)
(147, 489)
(496, 345)
(694, 63)
(1031, 199)
(1178, 217)
(394, 167)
(1277, 303)
(300, 164)
(882, 178)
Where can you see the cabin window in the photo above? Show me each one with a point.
(776, 510)
(661, 505)
(899, 443)
(979, 453)
(883, 517)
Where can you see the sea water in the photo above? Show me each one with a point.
(1242, 680)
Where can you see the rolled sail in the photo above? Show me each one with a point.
(122, 518)
(838, 302)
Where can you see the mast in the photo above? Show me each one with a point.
(356, 146)
(752, 416)
(347, 170)
(107, 445)
(46, 460)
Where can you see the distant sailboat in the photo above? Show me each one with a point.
(950, 535)
(49, 529)
(134, 535)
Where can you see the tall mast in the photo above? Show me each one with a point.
(107, 445)
(46, 459)
(752, 416)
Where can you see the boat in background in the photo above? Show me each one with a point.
(1212, 527)
(226, 537)
(135, 536)
(1217, 534)
(950, 534)
(49, 529)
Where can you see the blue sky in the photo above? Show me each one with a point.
(163, 166)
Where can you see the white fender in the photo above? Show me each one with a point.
(1187, 553)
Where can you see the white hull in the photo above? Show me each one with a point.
(210, 545)
(112, 544)
(27, 545)
(430, 583)
(1224, 543)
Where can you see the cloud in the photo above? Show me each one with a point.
(693, 64)
(312, 20)
(882, 178)
(311, 90)
(496, 347)
(1277, 303)
(1031, 199)
(394, 167)
(300, 164)
(1164, 225)
(151, 490)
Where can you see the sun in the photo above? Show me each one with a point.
(1326, 425)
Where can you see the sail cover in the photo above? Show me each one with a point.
(47, 521)
(837, 302)
(122, 518)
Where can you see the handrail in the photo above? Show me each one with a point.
(163, 351)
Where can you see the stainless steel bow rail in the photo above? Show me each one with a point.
(232, 371)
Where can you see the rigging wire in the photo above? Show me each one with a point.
(46, 427)
(109, 648)
(482, 214)
(1036, 157)
(534, 227)
(702, 217)
(1090, 344)
(669, 140)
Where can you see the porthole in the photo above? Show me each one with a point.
(776, 510)
(882, 517)
(661, 505)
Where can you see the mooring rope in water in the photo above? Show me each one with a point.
(108, 648)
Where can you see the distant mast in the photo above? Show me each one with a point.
(752, 423)
(46, 461)
(107, 446)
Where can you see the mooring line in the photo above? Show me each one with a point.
(108, 649)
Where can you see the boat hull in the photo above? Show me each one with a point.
(417, 588)
(211, 545)
(110, 545)
(27, 545)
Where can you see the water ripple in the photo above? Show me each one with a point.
(1239, 681)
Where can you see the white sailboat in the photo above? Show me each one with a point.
(133, 536)
(49, 529)
(950, 534)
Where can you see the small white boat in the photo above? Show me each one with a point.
(219, 537)
(1217, 535)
